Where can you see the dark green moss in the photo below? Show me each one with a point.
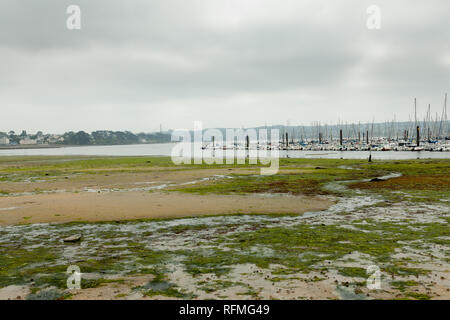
(418, 296)
(402, 285)
(353, 272)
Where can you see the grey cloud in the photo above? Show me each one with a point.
(136, 64)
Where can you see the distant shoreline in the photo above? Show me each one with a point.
(56, 146)
(31, 146)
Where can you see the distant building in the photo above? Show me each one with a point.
(28, 141)
(4, 140)
(54, 138)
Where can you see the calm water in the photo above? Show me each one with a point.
(165, 149)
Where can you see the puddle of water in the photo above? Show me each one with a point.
(348, 293)
(9, 208)
(159, 285)
(146, 182)
(48, 294)
(391, 176)
(340, 186)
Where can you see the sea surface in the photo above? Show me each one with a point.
(165, 149)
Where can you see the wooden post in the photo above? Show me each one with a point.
(418, 136)
(340, 137)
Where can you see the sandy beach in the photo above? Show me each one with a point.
(110, 195)
(112, 206)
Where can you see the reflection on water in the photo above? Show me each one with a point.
(165, 149)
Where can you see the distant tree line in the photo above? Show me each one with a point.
(104, 137)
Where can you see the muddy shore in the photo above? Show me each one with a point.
(144, 229)
(114, 206)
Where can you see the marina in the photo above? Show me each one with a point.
(431, 134)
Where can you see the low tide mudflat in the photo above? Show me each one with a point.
(152, 230)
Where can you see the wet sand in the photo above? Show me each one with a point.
(112, 196)
(111, 206)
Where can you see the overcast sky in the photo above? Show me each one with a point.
(230, 63)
